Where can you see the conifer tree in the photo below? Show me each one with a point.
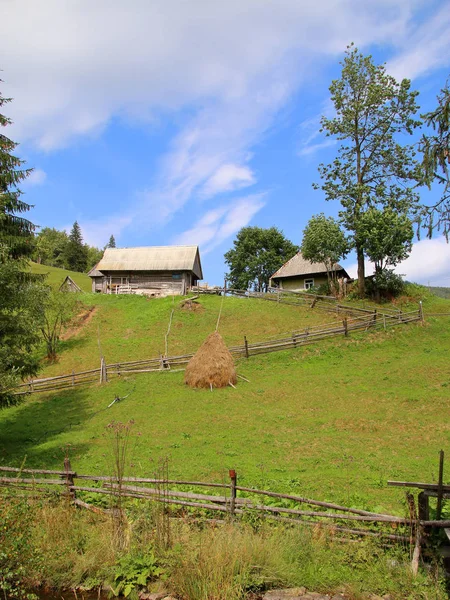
(111, 243)
(21, 294)
(76, 250)
(16, 232)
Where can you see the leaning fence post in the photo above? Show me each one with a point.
(375, 314)
(246, 346)
(73, 378)
(233, 478)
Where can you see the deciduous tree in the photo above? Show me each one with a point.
(256, 255)
(373, 167)
(324, 242)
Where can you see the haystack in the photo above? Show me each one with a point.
(212, 366)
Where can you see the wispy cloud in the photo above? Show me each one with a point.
(426, 48)
(220, 223)
(228, 178)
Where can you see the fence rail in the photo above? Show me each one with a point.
(353, 319)
(234, 500)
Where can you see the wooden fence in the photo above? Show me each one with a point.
(234, 500)
(353, 319)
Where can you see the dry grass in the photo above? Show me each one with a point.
(212, 366)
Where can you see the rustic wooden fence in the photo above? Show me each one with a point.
(228, 500)
(234, 500)
(353, 319)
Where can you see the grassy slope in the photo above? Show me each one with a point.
(56, 276)
(333, 421)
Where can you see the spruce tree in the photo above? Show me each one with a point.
(76, 250)
(16, 232)
(21, 293)
(111, 243)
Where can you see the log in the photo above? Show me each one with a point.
(39, 471)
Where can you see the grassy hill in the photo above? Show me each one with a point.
(332, 421)
(56, 276)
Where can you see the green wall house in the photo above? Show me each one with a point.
(300, 275)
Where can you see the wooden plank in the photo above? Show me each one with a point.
(38, 471)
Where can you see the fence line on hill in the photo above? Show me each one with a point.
(362, 320)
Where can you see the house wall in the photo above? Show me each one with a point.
(153, 283)
(297, 284)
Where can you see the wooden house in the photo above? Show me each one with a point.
(152, 270)
(299, 274)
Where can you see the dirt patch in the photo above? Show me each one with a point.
(212, 365)
(78, 322)
(192, 306)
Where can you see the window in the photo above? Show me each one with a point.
(309, 283)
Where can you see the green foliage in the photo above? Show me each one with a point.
(436, 155)
(17, 555)
(111, 243)
(386, 236)
(324, 242)
(55, 276)
(76, 251)
(57, 310)
(385, 283)
(55, 248)
(133, 571)
(256, 255)
(372, 168)
(15, 231)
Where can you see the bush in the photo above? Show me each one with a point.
(385, 285)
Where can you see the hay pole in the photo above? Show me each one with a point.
(220, 313)
(166, 337)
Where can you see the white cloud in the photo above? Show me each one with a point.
(109, 58)
(37, 177)
(228, 178)
(428, 263)
(220, 223)
(231, 69)
(425, 49)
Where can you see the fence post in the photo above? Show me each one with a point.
(69, 479)
(345, 324)
(375, 316)
(384, 321)
(233, 478)
(440, 483)
(246, 346)
(73, 378)
(421, 311)
(294, 340)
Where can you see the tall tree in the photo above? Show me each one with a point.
(256, 255)
(111, 243)
(436, 160)
(51, 247)
(76, 250)
(372, 167)
(324, 242)
(21, 294)
(15, 230)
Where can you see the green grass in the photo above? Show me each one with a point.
(332, 421)
(56, 276)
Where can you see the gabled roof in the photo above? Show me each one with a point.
(70, 283)
(297, 265)
(151, 258)
(94, 272)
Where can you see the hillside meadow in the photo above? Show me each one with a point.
(333, 421)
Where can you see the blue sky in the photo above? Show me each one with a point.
(166, 121)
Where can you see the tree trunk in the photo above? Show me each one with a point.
(361, 271)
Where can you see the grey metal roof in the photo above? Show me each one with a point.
(297, 265)
(152, 258)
